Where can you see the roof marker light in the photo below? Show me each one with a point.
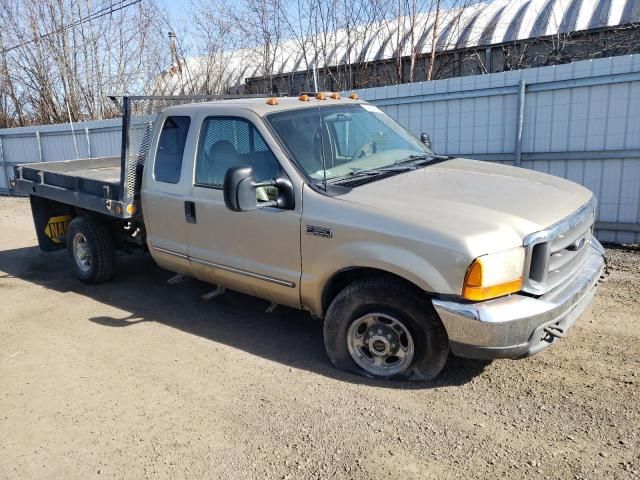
(304, 97)
(321, 96)
(273, 101)
(354, 96)
(335, 96)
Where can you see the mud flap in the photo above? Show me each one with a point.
(51, 220)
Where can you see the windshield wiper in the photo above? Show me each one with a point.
(421, 157)
(411, 158)
(372, 172)
(394, 167)
(363, 171)
(399, 166)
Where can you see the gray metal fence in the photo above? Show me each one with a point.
(45, 143)
(580, 121)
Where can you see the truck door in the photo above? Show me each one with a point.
(256, 252)
(163, 202)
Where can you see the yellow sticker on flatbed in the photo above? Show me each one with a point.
(57, 227)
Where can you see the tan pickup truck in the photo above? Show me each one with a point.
(325, 203)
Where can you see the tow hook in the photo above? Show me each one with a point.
(606, 272)
(555, 331)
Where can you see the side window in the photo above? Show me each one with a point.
(228, 142)
(171, 144)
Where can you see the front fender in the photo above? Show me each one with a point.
(319, 269)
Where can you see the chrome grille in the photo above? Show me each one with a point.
(556, 253)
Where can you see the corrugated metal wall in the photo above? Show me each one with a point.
(580, 121)
(45, 143)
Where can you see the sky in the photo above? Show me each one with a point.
(175, 7)
(179, 11)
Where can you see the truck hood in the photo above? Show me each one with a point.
(488, 205)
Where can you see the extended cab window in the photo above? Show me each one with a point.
(170, 149)
(227, 142)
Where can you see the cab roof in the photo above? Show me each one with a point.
(259, 105)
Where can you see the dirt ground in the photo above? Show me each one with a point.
(141, 379)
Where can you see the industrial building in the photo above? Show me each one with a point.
(481, 38)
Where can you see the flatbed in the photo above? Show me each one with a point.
(90, 183)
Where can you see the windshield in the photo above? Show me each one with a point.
(344, 138)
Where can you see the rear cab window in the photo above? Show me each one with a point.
(173, 138)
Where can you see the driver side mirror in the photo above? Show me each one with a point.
(240, 191)
(426, 139)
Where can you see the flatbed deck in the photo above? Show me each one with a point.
(104, 174)
(90, 183)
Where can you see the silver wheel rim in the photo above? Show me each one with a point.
(380, 344)
(81, 252)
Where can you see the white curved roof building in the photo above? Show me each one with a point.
(482, 24)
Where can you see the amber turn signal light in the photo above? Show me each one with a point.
(474, 288)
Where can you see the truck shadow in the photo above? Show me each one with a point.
(287, 336)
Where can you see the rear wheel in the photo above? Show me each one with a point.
(91, 250)
(381, 329)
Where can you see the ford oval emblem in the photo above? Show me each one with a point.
(577, 245)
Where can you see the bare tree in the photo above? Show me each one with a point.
(59, 59)
(434, 39)
(215, 36)
(262, 28)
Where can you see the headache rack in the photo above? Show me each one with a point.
(109, 185)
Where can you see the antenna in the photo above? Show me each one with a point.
(315, 78)
(324, 162)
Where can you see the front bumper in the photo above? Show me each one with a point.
(519, 325)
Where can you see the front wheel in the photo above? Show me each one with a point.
(379, 328)
(91, 250)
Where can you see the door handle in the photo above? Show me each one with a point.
(190, 211)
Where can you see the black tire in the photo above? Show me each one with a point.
(98, 242)
(387, 295)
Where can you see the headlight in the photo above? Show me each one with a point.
(494, 275)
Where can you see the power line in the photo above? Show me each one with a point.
(92, 16)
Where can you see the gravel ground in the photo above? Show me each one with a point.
(138, 378)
